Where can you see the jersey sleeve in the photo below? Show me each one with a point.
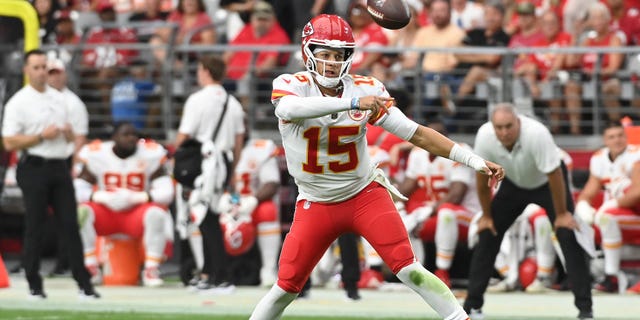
(269, 171)
(154, 153)
(595, 165)
(190, 118)
(289, 84)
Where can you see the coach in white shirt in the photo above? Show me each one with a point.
(36, 123)
(201, 115)
(534, 174)
(76, 109)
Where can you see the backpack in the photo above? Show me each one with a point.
(187, 165)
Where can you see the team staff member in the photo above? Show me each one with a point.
(201, 114)
(534, 174)
(36, 122)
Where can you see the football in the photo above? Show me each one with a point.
(390, 14)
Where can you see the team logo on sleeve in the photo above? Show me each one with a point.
(356, 115)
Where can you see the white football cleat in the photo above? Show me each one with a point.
(151, 277)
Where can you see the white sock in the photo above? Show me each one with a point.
(197, 248)
(86, 219)
(269, 241)
(154, 236)
(611, 242)
(272, 304)
(446, 238)
(433, 291)
(545, 254)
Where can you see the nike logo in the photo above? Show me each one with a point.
(287, 81)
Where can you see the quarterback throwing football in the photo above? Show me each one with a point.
(323, 114)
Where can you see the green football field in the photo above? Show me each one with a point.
(173, 301)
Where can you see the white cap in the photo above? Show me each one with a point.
(55, 64)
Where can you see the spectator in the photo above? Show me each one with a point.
(257, 177)
(439, 67)
(131, 97)
(613, 169)
(602, 36)
(201, 116)
(544, 66)
(294, 14)
(152, 13)
(452, 203)
(36, 123)
(534, 174)
(367, 34)
(190, 16)
(46, 10)
(311, 106)
(103, 58)
(119, 196)
(528, 34)
(263, 29)
(467, 15)
(479, 67)
(400, 39)
(624, 17)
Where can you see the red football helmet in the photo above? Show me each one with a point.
(328, 31)
(239, 235)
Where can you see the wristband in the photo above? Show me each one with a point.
(355, 103)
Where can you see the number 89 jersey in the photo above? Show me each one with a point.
(327, 155)
(132, 173)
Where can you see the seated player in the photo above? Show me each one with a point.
(257, 179)
(615, 169)
(123, 189)
(451, 188)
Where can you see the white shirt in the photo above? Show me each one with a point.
(472, 16)
(202, 112)
(614, 175)
(29, 112)
(533, 156)
(78, 116)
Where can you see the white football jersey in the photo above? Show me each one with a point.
(257, 166)
(132, 173)
(435, 175)
(328, 155)
(614, 176)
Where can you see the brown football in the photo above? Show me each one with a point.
(390, 14)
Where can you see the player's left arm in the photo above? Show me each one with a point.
(394, 121)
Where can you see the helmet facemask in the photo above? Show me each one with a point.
(312, 62)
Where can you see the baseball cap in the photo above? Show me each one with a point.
(55, 64)
(526, 7)
(104, 5)
(263, 9)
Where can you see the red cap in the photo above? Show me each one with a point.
(104, 5)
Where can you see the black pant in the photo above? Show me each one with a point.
(47, 183)
(350, 260)
(507, 205)
(215, 256)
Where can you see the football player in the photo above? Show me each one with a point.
(123, 188)
(322, 115)
(453, 202)
(257, 178)
(615, 169)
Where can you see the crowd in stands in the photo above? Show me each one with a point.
(546, 76)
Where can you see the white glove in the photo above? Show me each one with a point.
(415, 218)
(472, 236)
(117, 200)
(247, 205)
(225, 204)
(585, 211)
